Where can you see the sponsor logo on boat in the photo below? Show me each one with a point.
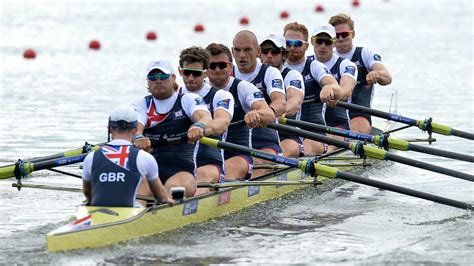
(190, 207)
(82, 223)
(282, 177)
(253, 190)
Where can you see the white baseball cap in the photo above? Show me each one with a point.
(162, 65)
(276, 39)
(325, 28)
(123, 117)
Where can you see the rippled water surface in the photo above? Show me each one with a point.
(62, 99)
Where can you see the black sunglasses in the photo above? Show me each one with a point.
(220, 65)
(274, 51)
(320, 41)
(190, 71)
(343, 34)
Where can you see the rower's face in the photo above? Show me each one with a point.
(245, 52)
(344, 36)
(323, 47)
(193, 75)
(160, 85)
(296, 53)
(219, 76)
(271, 55)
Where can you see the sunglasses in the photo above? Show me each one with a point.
(220, 65)
(343, 34)
(320, 41)
(274, 51)
(192, 71)
(161, 76)
(295, 43)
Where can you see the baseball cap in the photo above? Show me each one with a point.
(123, 117)
(276, 39)
(325, 28)
(162, 65)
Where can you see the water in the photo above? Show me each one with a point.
(63, 97)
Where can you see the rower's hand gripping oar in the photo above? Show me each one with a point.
(425, 125)
(382, 140)
(359, 148)
(313, 168)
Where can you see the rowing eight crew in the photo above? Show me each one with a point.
(257, 93)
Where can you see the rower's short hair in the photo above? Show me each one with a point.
(297, 27)
(195, 54)
(341, 18)
(218, 48)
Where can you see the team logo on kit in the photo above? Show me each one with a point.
(277, 83)
(178, 114)
(258, 95)
(259, 85)
(199, 101)
(350, 69)
(296, 83)
(224, 103)
(327, 70)
(377, 57)
(117, 154)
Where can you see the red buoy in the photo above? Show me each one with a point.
(319, 8)
(284, 14)
(94, 44)
(151, 35)
(244, 21)
(355, 3)
(199, 28)
(29, 54)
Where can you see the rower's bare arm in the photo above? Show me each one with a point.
(221, 122)
(278, 103)
(202, 126)
(331, 92)
(142, 143)
(260, 116)
(347, 85)
(379, 74)
(294, 99)
(87, 188)
(159, 191)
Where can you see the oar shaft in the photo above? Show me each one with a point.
(403, 190)
(443, 153)
(429, 167)
(392, 142)
(371, 151)
(462, 134)
(435, 127)
(378, 113)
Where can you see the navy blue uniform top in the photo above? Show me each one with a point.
(312, 110)
(114, 185)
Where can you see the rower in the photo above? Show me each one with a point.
(249, 106)
(371, 70)
(343, 70)
(320, 86)
(194, 62)
(268, 80)
(114, 174)
(274, 53)
(167, 114)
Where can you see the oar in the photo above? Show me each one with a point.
(381, 140)
(258, 183)
(425, 125)
(309, 167)
(23, 166)
(68, 189)
(364, 150)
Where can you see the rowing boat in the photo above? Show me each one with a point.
(101, 226)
